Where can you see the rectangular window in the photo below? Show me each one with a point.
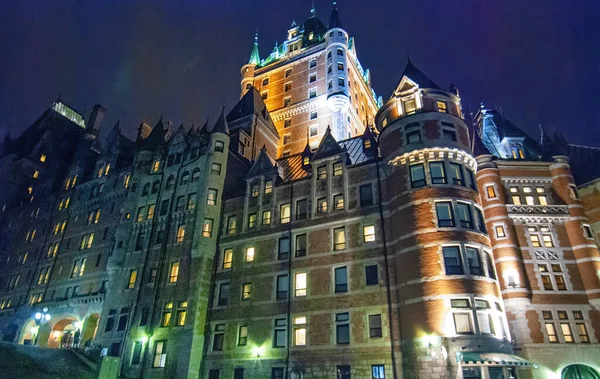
(287, 101)
(223, 294)
(181, 313)
(449, 134)
(285, 213)
(280, 333)
(500, 233)
(284, 248)
(583, 333)
(322, 205)
(211, 198)
(160, 354)
(300, 246)
(366, 195)
(338, 202)
(167, 314)
(560, 282)
(299, 331)
(218, 337)
(132, 279)
(551, 331)
(438, 174)
(231, 224)
(452, 260)
(312, 93)
(251, 220)
(338, 169)
(174, 272)
(301, 209)
(300, 284)
(462, 323)
(473, 261)
(375, 330)
(288, 73)
(547, 238)
(547, 283)
(266, 217)
(341, 279)
(215, 168)
(282, 287)
(490, 266)
(207, 227)
(339, 239)
(180, 234)
(491, 192)
(442, 106)
(444, 214)
(136, 353)
(321, 172)
(268, 187)
(410, 106)
(246, 291)
(249, 256)
(371, 275)
(227, 258)
(456, 175)
(417, 176)
(573, 192)
(219, 146)
(377, 372)
(342, 328)
(464, 215)
(369, 233)
(243, 335)
(287, 87)
(413, 136)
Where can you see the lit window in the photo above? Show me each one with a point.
(500, 233)
(215, 168)
(529, 200)
(548, 240)
(410, 106)
(369, 233)
(338, 169)
(567, 332)
(149, 215)
(299, 331)
(246, 291)
(43, 158)
(543, 199)
(338, 202)
(266, 218)
(249, 254)
(180, 233)
(160, 354)
(132, 279)
(167, 314)
(207, 227)
(231, 225)
(174, 272)
(322, 173)
(322, 205)
(442, 107)
(268, 186)
(583, 333)
(300, 284)
(491, 192)
(227, 258)
(36, 174)
(211, 198)
(155, 166)
(219, 146)
(251, 220)
(181, 313)
(339, 239)
(285, 213)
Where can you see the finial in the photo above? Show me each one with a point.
(408, 56)
(313, 11)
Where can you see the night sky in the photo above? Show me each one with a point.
(537, 60)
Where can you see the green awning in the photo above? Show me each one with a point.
(488, 359)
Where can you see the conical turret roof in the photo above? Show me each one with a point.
(334, 19)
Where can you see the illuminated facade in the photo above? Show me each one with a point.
(311, 81)
(545, 250)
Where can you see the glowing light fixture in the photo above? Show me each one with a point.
(38, 316)
(258, 350)
(77, 324)
(145, 339)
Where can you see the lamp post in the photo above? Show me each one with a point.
(40, 317)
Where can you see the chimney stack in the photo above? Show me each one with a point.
(96, 117)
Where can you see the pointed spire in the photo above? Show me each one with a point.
(255, 55)
(334, 19)
(263, 165)
(313, 10)
(415, 75)
(328, 146)
(221, 124)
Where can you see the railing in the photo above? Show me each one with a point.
(560, 210)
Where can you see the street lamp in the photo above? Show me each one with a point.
(40, 317)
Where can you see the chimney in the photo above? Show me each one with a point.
(96, 117)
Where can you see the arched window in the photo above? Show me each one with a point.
(340, 52)
(155, 186)
(146, 189)
(579, 372)
(170, 183)
(312, 63)
(195, 175)
(185, 178)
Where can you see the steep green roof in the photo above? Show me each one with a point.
(255, 55)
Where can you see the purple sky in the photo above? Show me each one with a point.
(539, 60)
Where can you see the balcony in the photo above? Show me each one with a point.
(538, 210)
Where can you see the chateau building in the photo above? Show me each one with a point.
(313, 231)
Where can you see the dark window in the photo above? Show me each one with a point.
(452, 260)
(301, 209)
(464, 215)
(300, 248)
(164, 207)
(277, 373)
(223, 294)
(417, 176)
(123, 316)
(312, 63)
(456, 176)
(238, 373)
(213, 374)
(375, 326)
(371, 275)
(137, 353)
(341, 279)
(110, 320)
(280, 332)
(282, 287)
(413, 137)
(444, 214)
(438, 174)
(366, 195)
(284, 248)
(472, 182)
(343, 372)
(144, 317)
(342, 329)
(449, 135)
(340, 52)
(490, 266)
(480, 221)
(474, 261)
(218, 337)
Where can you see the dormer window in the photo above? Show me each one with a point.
(311, 36)
(265, 81)
(306, 161)
(410, 106)
(367, 144)
(442, 107)
(517, 151)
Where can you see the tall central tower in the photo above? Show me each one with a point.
(311, 81)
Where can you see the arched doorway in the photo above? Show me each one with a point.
(28, 333)
(579, 371)
(54, 333)
(90, 325)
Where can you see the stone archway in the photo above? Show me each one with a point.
(579, 371)
(51, 333)
(90, 325)
(28, 333)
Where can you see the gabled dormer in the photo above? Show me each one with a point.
(328, 148)
(369, 142)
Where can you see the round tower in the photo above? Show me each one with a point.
(248, 68)
(337, 74)
(441, 263)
